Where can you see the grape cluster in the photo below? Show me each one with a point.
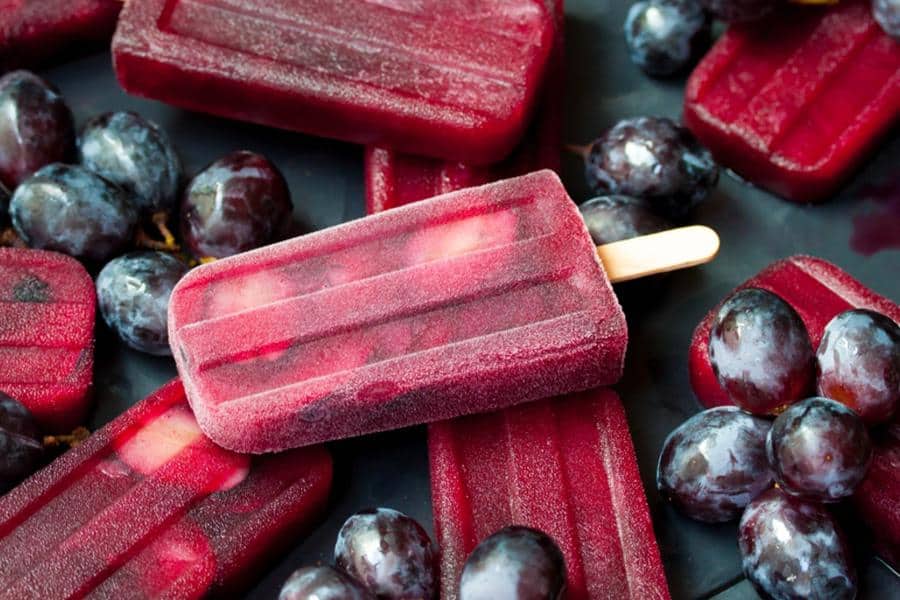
(382, 553)
(95, 197)
(721, 463)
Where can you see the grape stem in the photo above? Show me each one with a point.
(168, 243)
(78, 435)
(9, 238)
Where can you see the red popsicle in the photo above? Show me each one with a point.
(454, 79)
(47, 310)
(564, 466)
(794, 103)
(394, 179)
(878, 497)
(816, 289)
(148, 507)
(33, 32)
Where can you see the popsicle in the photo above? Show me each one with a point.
(468, 302)
(877, 499)
(148, 507)
(34, 32)
(453, 79)
(816, 289)
(394, 179)
(565, 466)
(795, 102)
(47, 311)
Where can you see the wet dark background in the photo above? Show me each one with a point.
(391, 469)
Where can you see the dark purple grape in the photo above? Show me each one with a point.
(69, 209)
(793, 549)
(36, 127)
(237, 203)
(714, 464)
(133, 295)
(859, 364)
(389, 553)
(887, 13)
(517, 563)
(136, 154)
(654, 159)
(819, 449)
(21, 447)
(761, 353)
(614, 218)
(735, 11)
(664, 36)
(322, 583)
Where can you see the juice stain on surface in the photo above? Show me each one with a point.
(878, 228)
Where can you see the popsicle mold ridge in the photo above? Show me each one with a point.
(149, 507)
(565, 466)
(47, 314)
(795, 103)
(815, 288)
(454, 79)
(468, 302)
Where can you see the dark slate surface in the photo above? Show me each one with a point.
(391, 469)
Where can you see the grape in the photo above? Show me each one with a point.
(516, 563)
(760, 352)
(21, 448)
(237, 203)
(389, 553)
(714, 464)
(137, 155)
(819, 449)
(36, 127)
(133, 295)
(859, 364)
(663, 36)
(735, 11)
(615, 218)
(654, 159)
(793, 549)
(69, 209)
(322, 583)
(887, 13)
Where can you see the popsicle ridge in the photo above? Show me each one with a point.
(547, 465)
(47, 313)
(466, 289)
(365, 72)
(815, 288)
(794, 103)
(98, 519)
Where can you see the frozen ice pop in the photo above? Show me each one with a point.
(33, 32)
(816, 289)
(793, 103)
(47, 335)
(564, 466)
(148, 507)
(394, 179)
(468, 302)
(453, 79)
(878, 497)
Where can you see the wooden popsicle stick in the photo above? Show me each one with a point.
(659, 252)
